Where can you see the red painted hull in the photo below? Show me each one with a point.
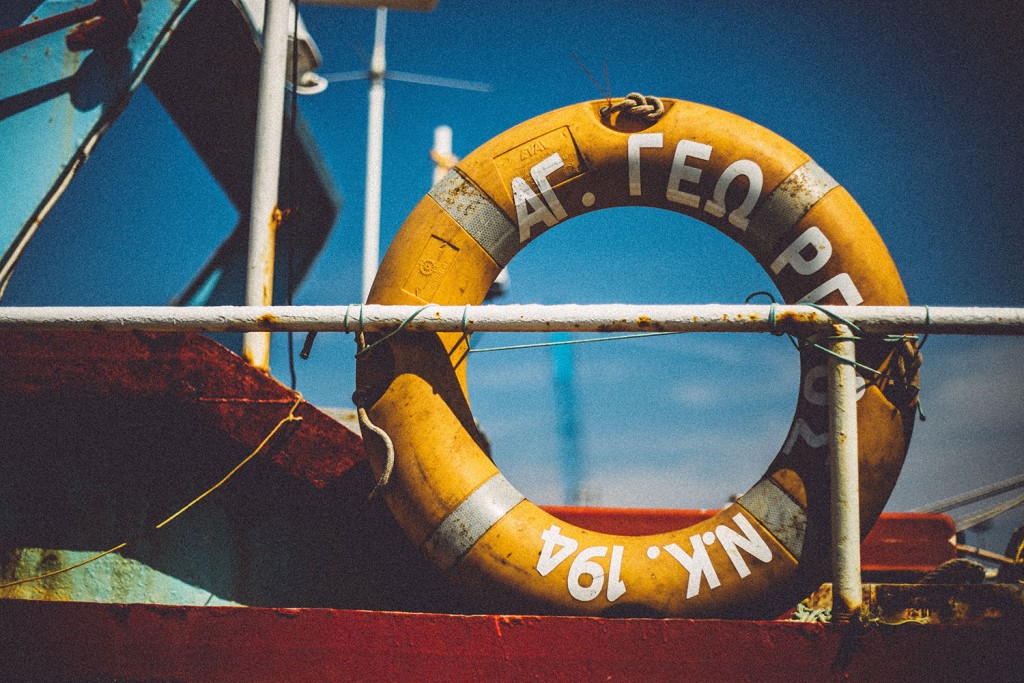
(90, 642)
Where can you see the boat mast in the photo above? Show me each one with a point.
(374, 153)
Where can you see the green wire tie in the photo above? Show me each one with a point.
(366, 349)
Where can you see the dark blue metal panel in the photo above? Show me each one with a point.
(55, 103)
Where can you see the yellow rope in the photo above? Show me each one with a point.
(290, 417)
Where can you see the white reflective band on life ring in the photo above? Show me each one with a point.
(473, 518)
(778, 513)
(477, 215)
(786, 205)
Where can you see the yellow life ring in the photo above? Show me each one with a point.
(754, 557)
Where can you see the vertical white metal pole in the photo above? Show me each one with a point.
(259, 286)
(374, 153)
(844, 477)
(442, 151)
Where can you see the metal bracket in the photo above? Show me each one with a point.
(104, 22)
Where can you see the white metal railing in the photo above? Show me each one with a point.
(839, 321)
(518, 318)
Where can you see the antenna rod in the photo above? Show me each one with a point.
(374, 154)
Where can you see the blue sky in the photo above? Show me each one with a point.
(915, 107)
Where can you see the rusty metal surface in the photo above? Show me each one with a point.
(114, 578)
(918, 604)
(732, 318)
(187, 372)
(80, 641)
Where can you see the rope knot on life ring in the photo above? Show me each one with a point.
(648, 108)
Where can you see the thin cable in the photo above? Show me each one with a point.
(465, 332)
(366, 349)
(290, 417)
(608, 95)
(540, 345)
(6, 281)
(844, 359)
(366, 424)
(960, 500)
(772, 312)
(47, 575)
(809, 344)
(607, 83)
(927, 326)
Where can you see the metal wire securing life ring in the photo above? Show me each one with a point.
(758, 555)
